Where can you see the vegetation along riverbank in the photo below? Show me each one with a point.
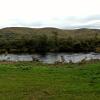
(30, 40)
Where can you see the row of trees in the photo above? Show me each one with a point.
(43, 43)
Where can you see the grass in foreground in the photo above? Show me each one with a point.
(34, 81)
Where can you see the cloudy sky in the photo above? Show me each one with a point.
(66, 14)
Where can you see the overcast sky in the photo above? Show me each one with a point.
(50, 13)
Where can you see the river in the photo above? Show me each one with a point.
(51, 58)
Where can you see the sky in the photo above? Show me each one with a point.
(66, 14)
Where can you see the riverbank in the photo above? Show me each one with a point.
(36, 81)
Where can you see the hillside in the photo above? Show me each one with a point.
(48, 39)
(22, 31)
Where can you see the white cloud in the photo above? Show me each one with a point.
(50, 13)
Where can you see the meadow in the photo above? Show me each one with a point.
(36, 81)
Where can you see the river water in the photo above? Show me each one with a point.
(51, 58)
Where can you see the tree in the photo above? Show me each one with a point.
(42, 44)
(55, 37)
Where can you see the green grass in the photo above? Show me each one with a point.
(34, 81)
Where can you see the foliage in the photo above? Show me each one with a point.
(28, 40)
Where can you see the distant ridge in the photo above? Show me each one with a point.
(49, 30)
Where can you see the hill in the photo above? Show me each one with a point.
(22, 39)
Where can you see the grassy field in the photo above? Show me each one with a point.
(34, 81)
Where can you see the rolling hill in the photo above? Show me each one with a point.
(47, 39)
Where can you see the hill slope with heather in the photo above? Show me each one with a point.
(29, 40)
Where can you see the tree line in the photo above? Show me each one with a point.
(43, 43)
